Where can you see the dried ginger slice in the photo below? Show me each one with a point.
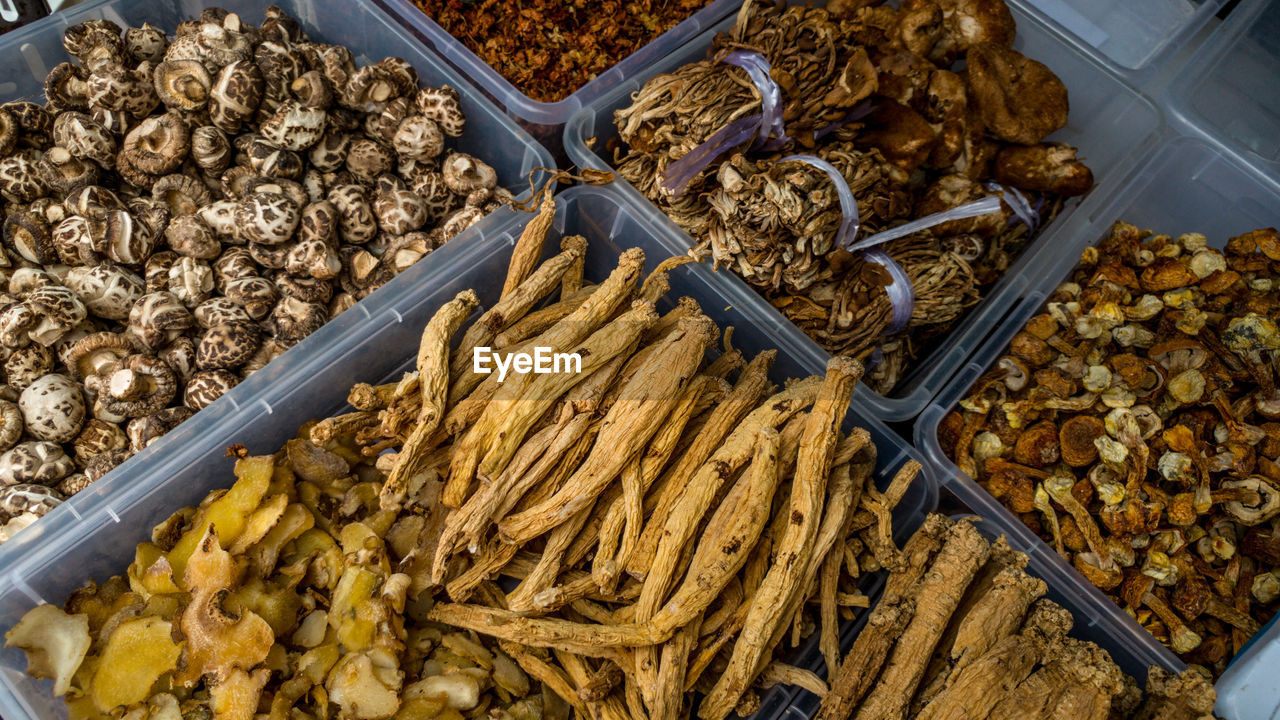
(786, 577)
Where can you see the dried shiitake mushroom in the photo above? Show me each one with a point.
(229, 164)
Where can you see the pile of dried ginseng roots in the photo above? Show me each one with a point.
(962, 631)
(655, 525)
(870, 89)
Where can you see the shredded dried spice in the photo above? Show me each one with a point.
(550, 48)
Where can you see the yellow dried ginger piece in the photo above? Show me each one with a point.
(217, 641)
(362, 690)
(277, 604)
(235, 697)
(260, 523)
(138, 653)
(327, 563)
(55, 644)
(228, 514)
(295, 520)
(353, 614)
(151, 574)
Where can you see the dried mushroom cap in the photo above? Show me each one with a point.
(234, 262)
(400, 212)
(98, 437)
(312, 258)
(20, 179)
(210, 149)
(125, 239)
(92, 202)
(157, 146)
(236, 94)
(27, 364)
(312, 89)
(95, 43)
(305, 288)
(255, 294)
(190, 281)
(206, 386)
(191, 236)
(156, 270)
(969, 22)
(180, 356)
(84, 137)
(66, 87)
(1266, 506)
(367, 159)
(267, 218)
(38, 462)
(1019, 99)
(292, 320)
(108, 291)
(102, 464)
(147, 429)
(294, 126)
(11, 423)
(181, 194)
(29, 498)
(119, 95)
(146, 43)
(227, 346)
(53, 408)
(1047, 167)
(221, 216)
(443, 106)
(182, 84)
(356, 222)
(57, 310)
(28, 234)
(9, 131)
(219, 310)
(157, 318)
(135, 386)
(464, 173)
(63, 172)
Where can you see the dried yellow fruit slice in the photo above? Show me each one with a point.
(137, 654)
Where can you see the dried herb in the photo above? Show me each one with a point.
(550, 48)
(863, 90)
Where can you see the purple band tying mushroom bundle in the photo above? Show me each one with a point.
(1017, 202)
(767, 127)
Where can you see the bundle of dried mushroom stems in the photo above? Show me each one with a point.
(868, 88)
(656, 525)
(180, 212)
(1135, 425)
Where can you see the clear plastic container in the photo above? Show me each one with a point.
(1109, 121)
(1088, 626)
(545, 120)
(28, 53)
(1227, 93)
(1248, 690)
(1185, 185)
(375, 344)
(1137, 40)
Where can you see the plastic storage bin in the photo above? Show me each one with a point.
(1227, 92)
(546, 120)
(1087, 626)
(25, 58)
(378, 344)
(1109, 122)
(1135, 39)
(1184, 186)
(1248, 689)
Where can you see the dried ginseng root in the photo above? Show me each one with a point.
(549, 48)
(458, 548)
(1135, 425)
(963, 633)
(920, 109)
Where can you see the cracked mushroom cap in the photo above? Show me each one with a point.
(255, 294)
(157, 318)
(57, 310)
(137, 385)
(235, 96)
(128, 93)
(11, 423)
(28, 234)
(443, 106)
(206, 386)
(191, 236)
(180, 356)
(157, 146)
(146, 43)
(92, 202)
(147, 429)
(464, 173)
(125, 239)
(95, 43)
(29, 498)
(381, 126)
(267, 218)
(9, 131)
(294, 126)
(66, 87)
(1047, 167)
(234, 262)
(272, 257)
(399, 212)
(219, 310)
(330, 152)
(210, 149)
(53, 408)
(84, 137)
(312, 258)
(221, 216)
(367, 159)
(156, 270)
(35, 462)
(181, 194)
(96, 438)
(108, 291)
(97, 353)
(267, 159)
(1019, 99)
(63, 172)
(227, 346)
(191, 281)
(20, 179)
(356, 222)
(28, 364)
(969, 22)
(292, 320)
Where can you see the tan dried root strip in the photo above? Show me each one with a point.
(940, 592)
(667, 693)
(528, 248)
(727, 540)
(571, 283)
(637, 415)
(976, 689)
(829, 573)
(999, 613)
(657, 284)
(685, 307)
(726, 364)
(722, 610)
(433, 384)
(549, 564)
(548, 674)
(862, 665)
(701, 491)
(623, 520)
(786, 577)
(776, 673)
(514, 305)
(918, 553)
(881, 507)
(371, 398)
(724, 419)
(486, 564)
(631, 695)
(519, 402)
(610, 707)
(403, 406)
(538, 321)
(342, 426)
(580, 638)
